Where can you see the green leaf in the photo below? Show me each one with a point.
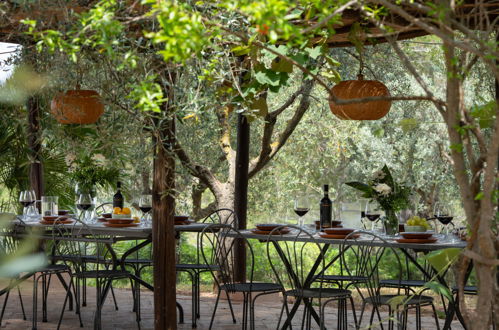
(440, 289)
(281, 65)
(485, 114)
(268, 77)
(442, 259)
(314, 52)
(457, 147)
(360, 186)
(408, 124)
(379, 132)
(479, 196)
(397, 301)
(241, 50)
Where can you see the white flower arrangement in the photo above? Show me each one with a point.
(383, 189)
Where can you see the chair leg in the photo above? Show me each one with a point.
(361, 313)
(284, 305)
(418, 317)
(22, 303)
(44, 298)
(35, 301)
(4, 305)
(215, 308)
(114, 297)
(354, 313)
(231, 309)
(435, 316)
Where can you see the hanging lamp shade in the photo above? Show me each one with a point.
(77, 107)
(354, 89)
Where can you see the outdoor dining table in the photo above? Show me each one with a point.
(327, 243)
(115, 235)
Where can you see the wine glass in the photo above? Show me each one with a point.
(145, 205)
(84, 204)
(27, 198)
(443, 213)
(372, 214)
(302, 206)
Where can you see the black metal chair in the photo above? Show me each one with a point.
(142, 259)
(370, 252)
(79, 241)
(44, 273)
(220, 216)
(290, 261)
(9, 245)
(218, 243)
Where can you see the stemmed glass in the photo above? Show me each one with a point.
(84, 204)
(302, 206)
(27, 198)
(145, 205)
(372, 214)
(444, 214)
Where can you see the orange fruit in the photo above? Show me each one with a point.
(126, 210)
(117, 210)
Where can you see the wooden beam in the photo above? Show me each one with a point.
(35, 146)
(165, 312)
(241, 192)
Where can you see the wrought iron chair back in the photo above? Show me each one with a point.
(79, 244)
(290, 257)
(368, 252)
(218, 243)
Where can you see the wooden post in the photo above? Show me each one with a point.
(241, 192)
(35, 146)
(165, 313)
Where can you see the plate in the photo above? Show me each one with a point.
(63, 222)
(338, 231)
(268, 226)
(49, 218)
(120, 225)
(323, 235)
(181, 217)
(416, 235)
(120, 221)
(102, 219)
(267, 232)
(183, 223)
(418, 241)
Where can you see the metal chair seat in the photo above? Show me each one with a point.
(340, 278)
(53, 269)
(251, 287)
(386, 300)
(319, 293)
(139, 261)
(196, 267)
(114, 274)
(87, 258)
(401, 283)
(468, 289)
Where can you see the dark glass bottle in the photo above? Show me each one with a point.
(118, 199)
(326, 209)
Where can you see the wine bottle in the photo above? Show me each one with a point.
(326, 209)
(118, 199)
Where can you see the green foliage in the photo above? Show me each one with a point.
(442, 259)
(147, 95)
(389, 194)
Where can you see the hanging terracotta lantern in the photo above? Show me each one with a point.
(77, 107)
(356, 89)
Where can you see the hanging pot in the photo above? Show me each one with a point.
(353, 89)
(77, 107)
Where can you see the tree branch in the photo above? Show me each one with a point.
(269, 150)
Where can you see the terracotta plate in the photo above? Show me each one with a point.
(268, 226)
(267, 232)
(102, 219)
(120, 225)
(338, 236)
(338, 231)
(64, 222)
(120, 221)
(418, 241)
(416, 235)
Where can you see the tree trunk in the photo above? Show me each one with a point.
(35, 146)
(165, 312)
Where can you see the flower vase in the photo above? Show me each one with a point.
(391, 222)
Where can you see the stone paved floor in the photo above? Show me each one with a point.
(267, 313)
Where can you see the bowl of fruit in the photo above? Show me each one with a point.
(121, 213)
(416, 224)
